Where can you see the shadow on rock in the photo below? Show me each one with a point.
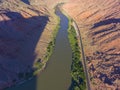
(18, 40)
(106, 22)
(26, 1)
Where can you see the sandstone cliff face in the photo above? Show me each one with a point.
(99, 24)
(26, 28)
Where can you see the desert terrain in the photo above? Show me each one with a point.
(99, 24)
(26, 28)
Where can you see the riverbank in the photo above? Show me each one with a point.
(40, 62)
(77, 67)
(77, 70)
(59, 64)
(41, 65)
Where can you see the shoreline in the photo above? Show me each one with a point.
(82, 55)
(73, 27)
(45, 60)
(50, 49)
(72, 24)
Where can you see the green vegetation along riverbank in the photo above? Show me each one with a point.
(52, 42)
(77, 71)
(41, 65)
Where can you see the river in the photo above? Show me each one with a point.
(56, 75)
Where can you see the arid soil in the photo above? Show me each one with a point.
(26, 28)
(99, 24)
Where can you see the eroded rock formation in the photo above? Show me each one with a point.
(99, 24)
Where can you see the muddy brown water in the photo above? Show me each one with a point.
(56, 75)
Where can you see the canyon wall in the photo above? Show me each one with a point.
(99, 24)
(26, 28)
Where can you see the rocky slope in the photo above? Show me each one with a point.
(99, 24)
(26, 28)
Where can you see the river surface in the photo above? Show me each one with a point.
(56, 75)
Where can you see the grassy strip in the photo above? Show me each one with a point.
(40, 65)
(77, 71)
(52, 42)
